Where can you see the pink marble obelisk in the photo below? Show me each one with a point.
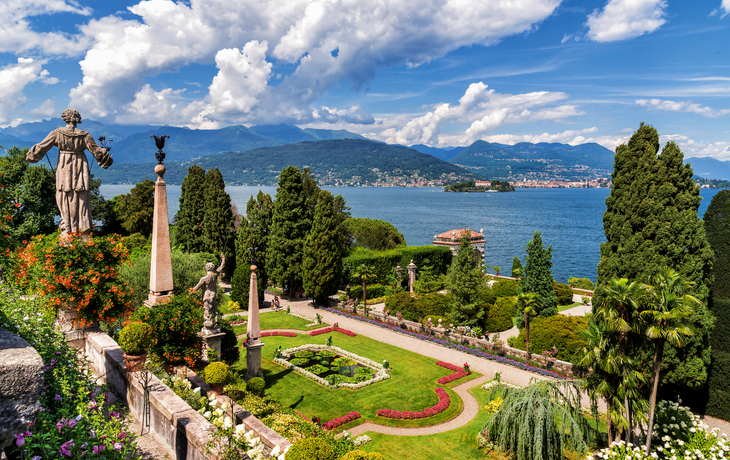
(161, 263)
(253, 332)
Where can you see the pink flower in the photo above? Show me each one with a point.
(66, 448)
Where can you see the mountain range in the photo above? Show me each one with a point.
(131, 145)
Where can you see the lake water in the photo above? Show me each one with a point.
(569, 219)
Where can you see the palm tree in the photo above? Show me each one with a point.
(668, 307)
(616, 307)
(365, 274)
(528, 302)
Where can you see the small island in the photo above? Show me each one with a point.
(480, 186)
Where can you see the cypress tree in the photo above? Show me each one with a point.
(651, 221)
(322, 257)
(218, 220)
(252, 233)
(290, 225)
(717, 225)
(464, 280)
(538, 276)
(517, 270)
(189, 219)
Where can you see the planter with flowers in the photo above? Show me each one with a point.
(135, 339)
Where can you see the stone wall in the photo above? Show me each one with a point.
(443, 333)
(175, 425)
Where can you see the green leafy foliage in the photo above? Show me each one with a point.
(505, 288)
(134, 210)
(136, 338)
(413, 308)
(581, 283)
(562, 332)
(374, 291)
(563, 293)
(538, 277)
(517, 269)
(651, 221)
(218, 221)
(464, 281)
(383, 263)
(230, 352)
(191, 211)
(362, 455)
(374, 234)
(253, 232)
(499, 316)
(311, 449)
(256, 385)
(322, 259)
(216, 373)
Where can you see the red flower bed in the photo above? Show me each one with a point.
(279, 333)
(460, 372)
(443, 404)
(335, 422)
(332, 329)
(236, 322)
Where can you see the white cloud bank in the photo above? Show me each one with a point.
(672, 106)
(13, 79)
(624, 19)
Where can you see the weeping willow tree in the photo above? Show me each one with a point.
(539, 422)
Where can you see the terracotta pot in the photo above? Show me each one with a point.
(216, 389)
(135, 362)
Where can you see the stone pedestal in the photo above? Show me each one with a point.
(411, 275)
(211, 341)
(161, 264)
(253, 331)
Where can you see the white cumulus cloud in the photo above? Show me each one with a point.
(13, 79)
(672, 106)
(624, 19)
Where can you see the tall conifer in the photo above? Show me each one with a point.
(717, 225)
(218, 220)
(464, 280)
(191, 211)
(538, 275)
(290, 224)
(322, 258)
(651, 221)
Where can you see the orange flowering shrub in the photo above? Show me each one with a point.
(82, 275)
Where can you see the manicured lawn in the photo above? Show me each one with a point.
(567, 307)
(458, 444)
(278, 320)
(411, 386)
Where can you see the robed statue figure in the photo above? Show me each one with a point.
(73, 180)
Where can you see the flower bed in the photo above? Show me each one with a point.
(237, 322)
(380, 374)
(460, 372)
(339, 421)
(442, 405)
(327, 330)
(455, 346)
(278, 333)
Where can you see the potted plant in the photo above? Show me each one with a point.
(216, 374)
(135, 339)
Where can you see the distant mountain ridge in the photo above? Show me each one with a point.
(341, 162)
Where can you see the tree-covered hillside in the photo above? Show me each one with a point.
(333, 162)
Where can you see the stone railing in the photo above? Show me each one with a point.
(442, 333)
(181, 430)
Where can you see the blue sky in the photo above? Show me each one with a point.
(436, 72)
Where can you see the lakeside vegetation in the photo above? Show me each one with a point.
(470, 186)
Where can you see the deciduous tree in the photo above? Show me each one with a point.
(134, 210)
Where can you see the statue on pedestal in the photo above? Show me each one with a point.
(73, 179)
(210, 310)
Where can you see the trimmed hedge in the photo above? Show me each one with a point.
(505, 288)
(374, 290)
(563, 332)
(419, 306)
(499, 315)
(563, 292)
(311, 449)
(362, 455)
(384, 262)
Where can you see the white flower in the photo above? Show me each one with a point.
(207, 415)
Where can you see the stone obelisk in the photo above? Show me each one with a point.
(161, 263)
(253, 332)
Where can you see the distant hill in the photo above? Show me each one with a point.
(445, 153)
(536, 161)
(709, 168)
(333, 162)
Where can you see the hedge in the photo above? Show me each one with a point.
(384, 262)
(563, 292)
(563, 332)
(419, 306)
(505, 288)
(499, 315)
(374, 290)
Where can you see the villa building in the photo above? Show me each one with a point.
(452, 239)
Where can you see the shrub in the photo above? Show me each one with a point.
(229, 344)
(233, 306)
(256, 385)
(374, 290)
(563, 332)
(499, 315)
(136, 338)
(311, 449)
(362, 455)
(563, 292)
(581, 283)
(216, 373)
(505, 288)
(419, 306)
(382, 263)
(176, 325)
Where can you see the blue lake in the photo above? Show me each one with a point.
(569, 219)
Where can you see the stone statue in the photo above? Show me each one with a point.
(209, 283)
(73, 180)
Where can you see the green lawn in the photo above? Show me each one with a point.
(277, 320)
(458, 444)
(411, 386)
(566, 307)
